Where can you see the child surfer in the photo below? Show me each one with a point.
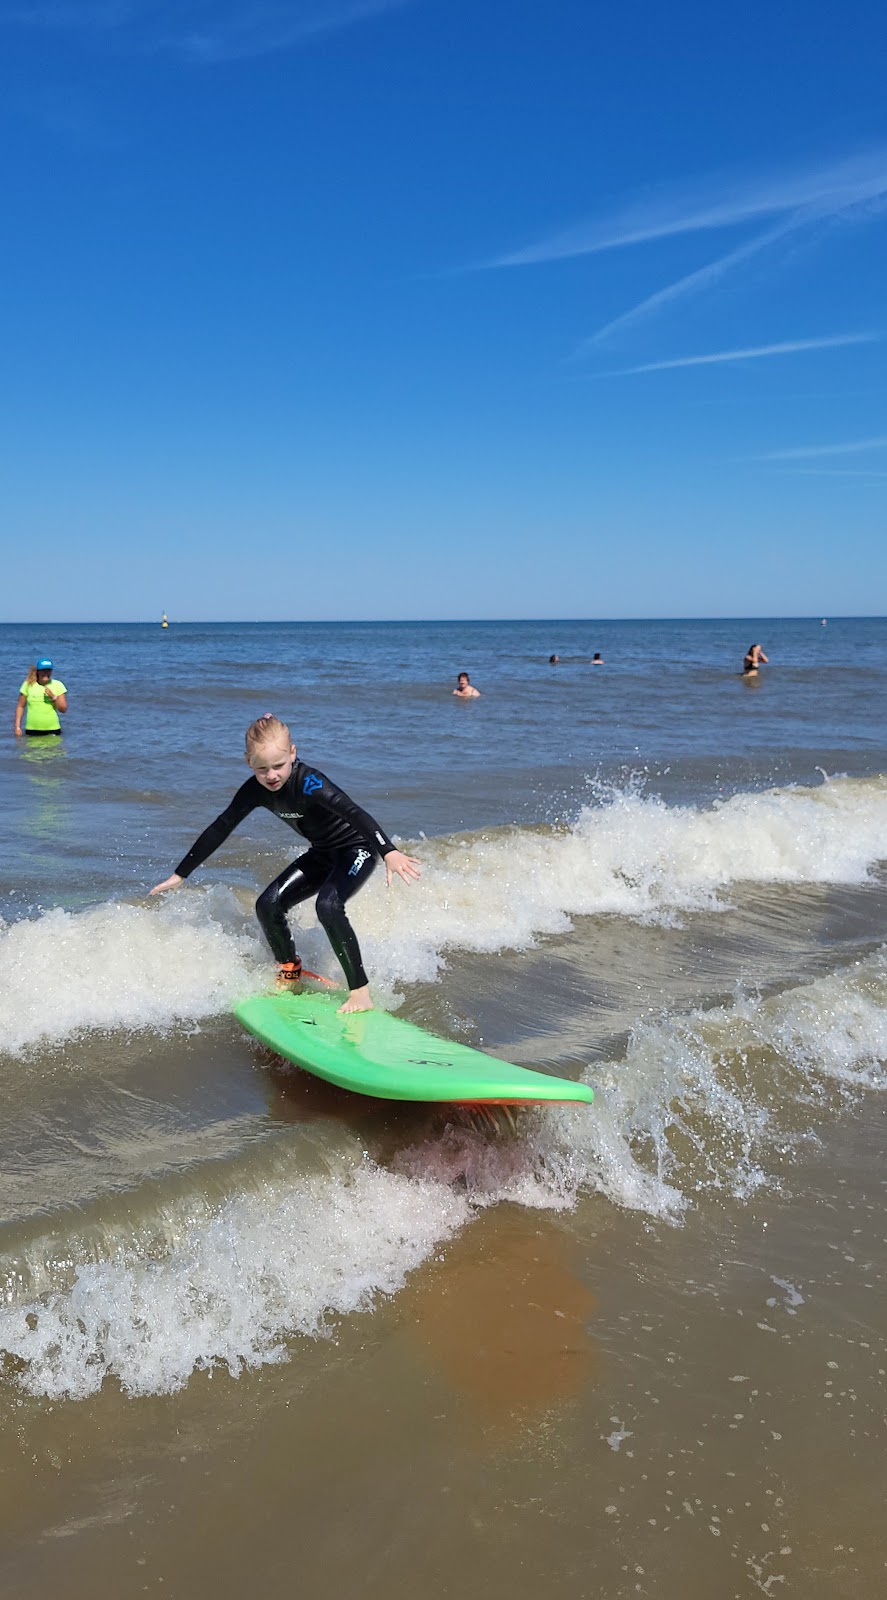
(344, 841)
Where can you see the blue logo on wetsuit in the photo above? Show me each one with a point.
(312, 784)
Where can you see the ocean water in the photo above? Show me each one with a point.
(600, 1344)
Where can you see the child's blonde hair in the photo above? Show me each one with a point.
(266, 730)
(32, 675)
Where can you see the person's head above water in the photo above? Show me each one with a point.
(465, 688)
(553, 661)
(270, 751)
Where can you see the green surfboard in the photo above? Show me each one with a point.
(373, 1053)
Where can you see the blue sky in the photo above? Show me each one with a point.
(442, 308)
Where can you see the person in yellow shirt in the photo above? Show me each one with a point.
(40, 700)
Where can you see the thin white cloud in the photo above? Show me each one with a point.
(703, 278)
(715, 202)
(831, 472)
(692, 283)
(259, 31)
(806, 452)
(90, 14)
(853, 189)
(751, 353)
(200, 30)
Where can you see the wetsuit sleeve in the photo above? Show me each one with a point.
(246, 799)
(331, 798)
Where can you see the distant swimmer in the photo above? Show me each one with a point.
(597, 659)
(465, 688)
(553, 661)
(40, 699)
(165, 622)
(754, 656)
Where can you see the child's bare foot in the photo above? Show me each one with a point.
(358, 1000)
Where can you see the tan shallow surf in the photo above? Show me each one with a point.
(509, 1369)
(580, 1405)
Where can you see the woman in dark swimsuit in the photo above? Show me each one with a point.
(754, 655)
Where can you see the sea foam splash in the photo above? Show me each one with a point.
(266, 1267)
(632, 856)
(124, 966)
(700, 1103)
(191, 956)
(695, 1105)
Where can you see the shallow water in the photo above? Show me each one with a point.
(258, 1330)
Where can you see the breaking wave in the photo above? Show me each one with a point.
(162, 965)
(703, 1103)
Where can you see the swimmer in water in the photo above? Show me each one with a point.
(754, 655)
(465, 689)
(553, 661)
(597, 659)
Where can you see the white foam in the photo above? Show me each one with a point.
(632, 857)
(695, 1106)
(835, 1028)
(265, 1268)
(699, 1102)
(162, 964)
(124, 966)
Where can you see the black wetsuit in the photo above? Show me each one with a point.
(344, 840)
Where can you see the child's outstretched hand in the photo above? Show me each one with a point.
(168, 883)
(406, 867)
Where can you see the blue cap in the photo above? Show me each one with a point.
(44, 664)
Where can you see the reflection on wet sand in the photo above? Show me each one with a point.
(505, 1320)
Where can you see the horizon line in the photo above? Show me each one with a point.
(415, 622)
